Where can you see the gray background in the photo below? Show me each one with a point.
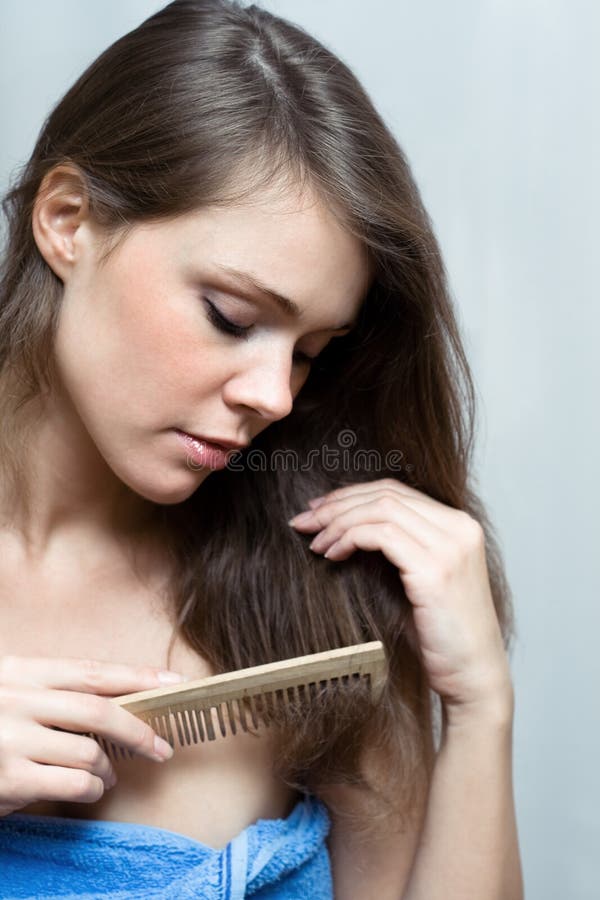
(496, 104)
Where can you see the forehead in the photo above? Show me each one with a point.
(289, 242)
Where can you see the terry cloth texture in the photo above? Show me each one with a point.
(273, 859)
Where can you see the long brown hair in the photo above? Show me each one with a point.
(202, 104)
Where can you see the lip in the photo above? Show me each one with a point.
(216, 442)
(202, 453)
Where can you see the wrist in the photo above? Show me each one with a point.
(492, 711)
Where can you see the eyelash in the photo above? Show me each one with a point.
(240, 331)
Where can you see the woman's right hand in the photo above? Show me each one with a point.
(39, 695)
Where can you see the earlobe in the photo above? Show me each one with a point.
(61, 206)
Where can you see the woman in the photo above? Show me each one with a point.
(217, 241)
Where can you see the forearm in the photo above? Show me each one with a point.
(468, 849)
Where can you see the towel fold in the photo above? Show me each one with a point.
(273, 859)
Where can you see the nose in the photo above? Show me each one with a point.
(266, 386)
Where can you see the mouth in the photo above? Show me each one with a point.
(221, 443)
(204, 453)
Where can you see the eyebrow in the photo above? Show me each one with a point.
(246, 284)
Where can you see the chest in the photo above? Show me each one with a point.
(209, 791)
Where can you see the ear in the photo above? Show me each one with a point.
(60, 208)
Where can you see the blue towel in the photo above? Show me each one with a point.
(274, 859)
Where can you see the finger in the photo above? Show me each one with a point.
(61, 748)
(76, 674)
(393, 484)
(382, 509)
(401, 550)
(445, 517)
(322, 514)
(88, 713)
(57, 783)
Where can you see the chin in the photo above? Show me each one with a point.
(168, 490)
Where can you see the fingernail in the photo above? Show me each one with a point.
(301, 518)
(162, 749)
(166, 677)
(316, 501)
(112, 780)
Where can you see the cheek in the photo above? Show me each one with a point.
(160, 331)
(132, 349)
(145, 332)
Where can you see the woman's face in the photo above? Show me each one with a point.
(142, 350)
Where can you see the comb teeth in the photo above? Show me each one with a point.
(185, 726)
(218, 706)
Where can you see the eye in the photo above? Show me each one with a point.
(224, 324)
(241, 331)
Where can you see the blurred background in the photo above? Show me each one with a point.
(495, 103)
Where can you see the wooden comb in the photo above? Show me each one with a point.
(249, 695)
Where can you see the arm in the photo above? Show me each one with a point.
(377, 863)
(468, 849)
(460, 842)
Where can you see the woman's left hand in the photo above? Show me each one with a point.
(440, 555)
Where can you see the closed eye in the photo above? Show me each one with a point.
(223, 324)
